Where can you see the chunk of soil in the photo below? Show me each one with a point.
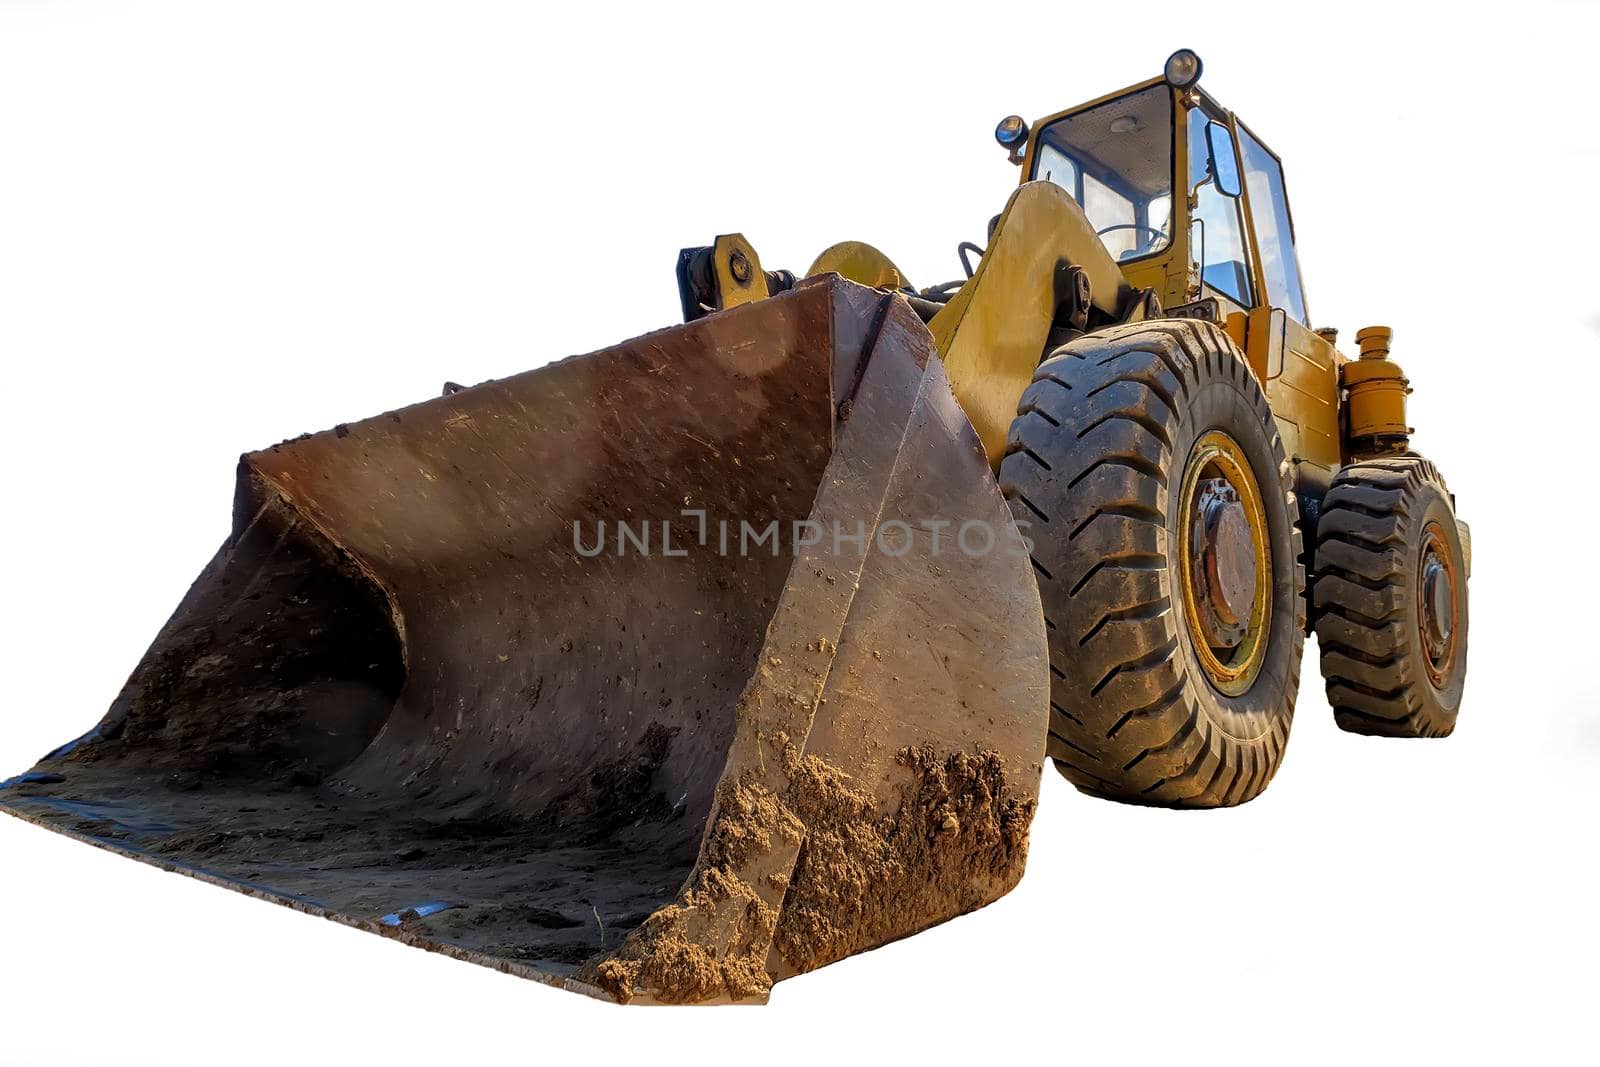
(956, 840)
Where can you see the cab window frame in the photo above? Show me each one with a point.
(1109, 179)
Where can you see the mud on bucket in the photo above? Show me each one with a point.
(660, 673)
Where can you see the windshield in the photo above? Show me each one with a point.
(1116, 161)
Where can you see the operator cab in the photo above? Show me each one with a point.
(1120, 158)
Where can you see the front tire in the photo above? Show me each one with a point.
(1146, 470)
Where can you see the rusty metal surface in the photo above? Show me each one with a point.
(402, 697)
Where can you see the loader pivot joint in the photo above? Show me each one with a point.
(1074, 297)
(723, 275)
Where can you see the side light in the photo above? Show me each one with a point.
(1011, 132)
(1183, 69)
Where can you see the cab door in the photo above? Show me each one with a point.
(1298, 365)
(1218, 237)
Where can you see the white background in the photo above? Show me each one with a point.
(222, 224)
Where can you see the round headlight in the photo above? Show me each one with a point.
(1183, 69)
(1011, 132)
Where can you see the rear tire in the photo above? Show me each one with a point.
(1392, 639)
(1106, 445)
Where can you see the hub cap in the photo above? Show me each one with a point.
(1436, 603)
(1226, 562)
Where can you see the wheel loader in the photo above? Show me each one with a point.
(672, 670)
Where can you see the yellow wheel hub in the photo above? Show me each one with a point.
(1225, 562)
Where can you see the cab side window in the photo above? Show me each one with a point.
(1269, 211)
(1218, 223)
(1055, 166)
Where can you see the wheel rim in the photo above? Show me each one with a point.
(1436, 600)
(1225, 563)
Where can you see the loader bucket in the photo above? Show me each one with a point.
(646, 673)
